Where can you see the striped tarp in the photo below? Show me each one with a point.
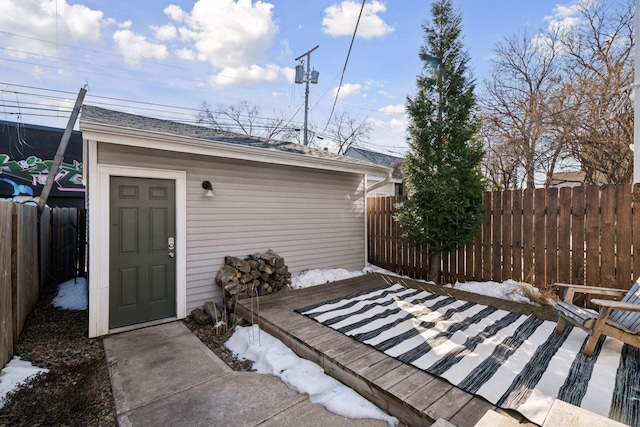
(513, 360)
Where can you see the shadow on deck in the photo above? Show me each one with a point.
(416, 397)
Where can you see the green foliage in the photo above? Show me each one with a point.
(443, 207)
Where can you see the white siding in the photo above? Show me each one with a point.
(313, 218)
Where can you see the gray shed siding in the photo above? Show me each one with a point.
(313, 218)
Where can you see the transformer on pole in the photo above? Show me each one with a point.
(306, 77)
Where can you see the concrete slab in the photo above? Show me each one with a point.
(151, 363)
(237, 399)
(307, 414)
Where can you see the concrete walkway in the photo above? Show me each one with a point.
(164, 375)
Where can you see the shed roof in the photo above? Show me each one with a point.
(111, 126)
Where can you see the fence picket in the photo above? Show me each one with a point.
(564, 235)
(607, 239)
(592, 236)
(623, 236)
(486, 238)
(516, 234)
(496, 237)
(551, 254)
(578, 245)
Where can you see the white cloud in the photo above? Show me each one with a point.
(125, 24)
(165, 32)
(226, 33)
(566, 17)
(134, 47)
(246, 76)
(385, 94)
(347, 90)
(186, 54)
(340, 20)
(393, 109)
(175, 12)
(398, 125)
(37, 19)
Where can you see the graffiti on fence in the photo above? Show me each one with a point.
(26, 175)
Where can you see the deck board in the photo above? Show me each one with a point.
(415, 396)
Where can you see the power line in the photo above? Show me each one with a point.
(345, 65)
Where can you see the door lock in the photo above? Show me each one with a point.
(171, 244)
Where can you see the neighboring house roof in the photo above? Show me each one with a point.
(572, 178)
(103, 125)
(377, 158)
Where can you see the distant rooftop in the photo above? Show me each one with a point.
(377, 158)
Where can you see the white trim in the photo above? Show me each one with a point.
(99, 182)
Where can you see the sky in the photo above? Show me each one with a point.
(165, 58)
(269, 355)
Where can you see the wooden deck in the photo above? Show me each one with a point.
(412, 395)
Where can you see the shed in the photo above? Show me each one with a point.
(157, 239)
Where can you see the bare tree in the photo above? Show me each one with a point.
(501, 165)
(244, 117)
(598, 122)
(516, 105)
(348, 131)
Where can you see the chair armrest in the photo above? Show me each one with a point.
(592, 289)
(616, 305)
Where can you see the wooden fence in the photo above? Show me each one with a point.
(20, 284)
(61, 249)
(582, 235)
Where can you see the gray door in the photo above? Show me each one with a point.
(142, 283)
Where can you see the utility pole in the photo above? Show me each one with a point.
(57, 160)
(306, 77)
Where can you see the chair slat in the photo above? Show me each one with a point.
(629, 320)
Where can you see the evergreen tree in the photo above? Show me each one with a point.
(443, 207)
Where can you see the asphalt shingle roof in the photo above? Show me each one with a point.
(98, 115)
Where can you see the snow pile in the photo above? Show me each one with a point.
(310, 278)
(271, 356)
(508, 290)
(72, 295)
(15, 373)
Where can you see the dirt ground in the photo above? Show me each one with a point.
(76, 391)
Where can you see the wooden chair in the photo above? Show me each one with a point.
(616, 319)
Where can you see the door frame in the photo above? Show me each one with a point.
(99, 203)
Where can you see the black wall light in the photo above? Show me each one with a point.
(208, 189)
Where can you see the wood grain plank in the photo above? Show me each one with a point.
(564, 235)
(577, 235)
(516, 234)
(607, 237)
(449, 404)
(472, 412)
(624, 278)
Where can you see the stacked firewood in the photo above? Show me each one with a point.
(257, 274)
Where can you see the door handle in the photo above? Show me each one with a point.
(171, 255)
(171, 243)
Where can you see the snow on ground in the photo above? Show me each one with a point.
(270, 356)
(72, 295)
(15, 373)
(508, 290)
